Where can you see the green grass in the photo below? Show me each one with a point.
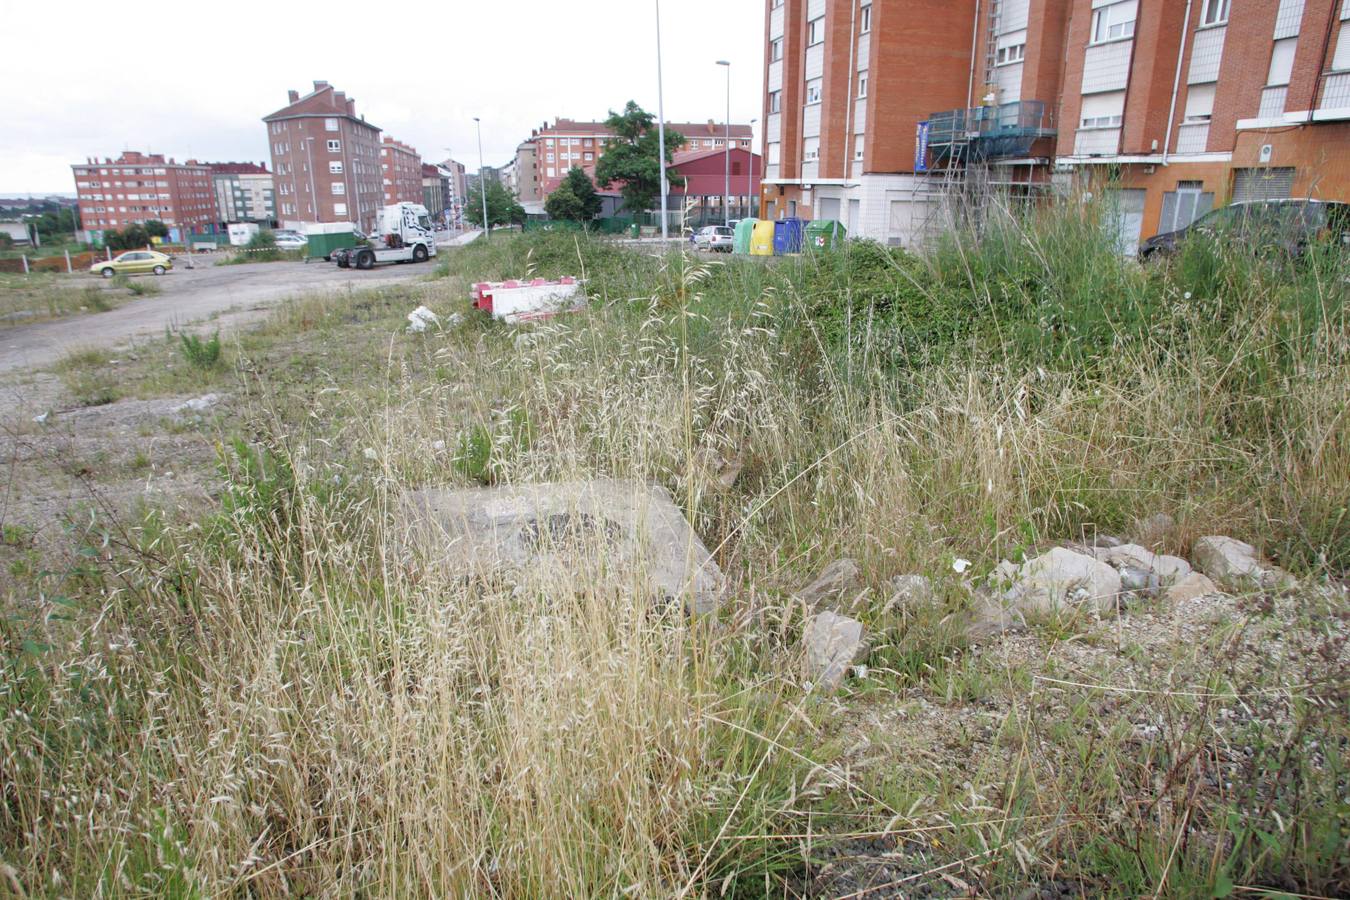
(254, 687)
(42, 296)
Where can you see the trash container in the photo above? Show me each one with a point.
(761, 238)
(635, 230)
(787, 236)
(740, 241)
(824, 234)
(321, 246)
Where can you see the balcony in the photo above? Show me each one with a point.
(986, 132)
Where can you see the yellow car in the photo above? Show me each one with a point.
(133, 262)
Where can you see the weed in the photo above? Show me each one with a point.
(201, 354)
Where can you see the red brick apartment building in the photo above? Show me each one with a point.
(326, 163)
(138, 187)
(567, 143)
(401, 170)
(876, 109)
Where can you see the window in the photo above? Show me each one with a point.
(858, 147)
(775, 150)
(550, 157)
(815, 31)
(813, 91)
(330, 124)
(334, 146)
(776, 4)
(552, 172)
(1281, 62)
(1199, 103)
(865, 19)
(775, 49)
(338, 188)
(1214, 12)
(1114, 22)
(1183, 206)
(862, 85)
(775, 102)
(339, 209)
(1103, 110)
(1012, 54)
(590, 157)
(811, 150)
(335, 168)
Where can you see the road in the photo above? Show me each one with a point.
(233, 294)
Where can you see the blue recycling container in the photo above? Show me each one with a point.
(787, 236)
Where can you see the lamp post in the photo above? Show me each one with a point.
(726, 140)
(661, 128)
(750, 172)
(482, 181)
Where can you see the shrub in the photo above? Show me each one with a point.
(199, 353)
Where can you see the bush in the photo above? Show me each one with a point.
(201, 354)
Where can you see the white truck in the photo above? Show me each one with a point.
(403, 232)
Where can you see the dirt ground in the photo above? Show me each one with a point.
(229, 295)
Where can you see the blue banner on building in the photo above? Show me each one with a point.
(921, 148)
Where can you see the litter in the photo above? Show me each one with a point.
(525, 301)
(421, 319)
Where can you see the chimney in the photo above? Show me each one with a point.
(292, 96)
(351, 109)
(320, 85)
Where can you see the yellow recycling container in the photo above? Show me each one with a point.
(761, 239)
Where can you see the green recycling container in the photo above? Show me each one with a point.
(824, 234)
(740, 241)
(635, 230)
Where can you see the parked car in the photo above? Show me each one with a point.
(290, 240)
(1287, 225)
(718, 238)
(133, 262)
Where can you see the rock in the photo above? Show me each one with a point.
(839, 576)
(198, 404)
(989, 617)
(628, 530)
(1061, 578)
(1139, 581)
(1168, 569)
(1192, 586)
(910, 590)
(730, 472)
(832, 644)
(1155, 530)
(1236, 566)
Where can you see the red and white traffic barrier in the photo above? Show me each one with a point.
(526, 301)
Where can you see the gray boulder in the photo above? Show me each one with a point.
(1060, 578)
(910, 590)
(1236, 566)
(1192, 586)
(835, 579)
(832, 643)
(625, 529)
(1167, 569)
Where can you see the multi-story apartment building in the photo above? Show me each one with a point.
(244, 193)
(325, 160)
(458, 190)
(137, 187)
(527, 173)
(401, 172)
(435, 191)
(876, 109)
(567, 143)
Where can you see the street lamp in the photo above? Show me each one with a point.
(726, 198)
(750, 172)
(482, 181)
(661, 127)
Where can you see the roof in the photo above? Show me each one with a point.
(234, 168)
(688, 156)
(322, 101)
(709, 129)
(430, 171)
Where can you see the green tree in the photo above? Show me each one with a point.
(156, 228)
(575, 199)
(133, 237)
(632, 158)
(502, 206)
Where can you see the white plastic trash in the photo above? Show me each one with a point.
(421, 319)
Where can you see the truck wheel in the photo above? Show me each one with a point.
(342, 263)
(365, 260)
(420, 253)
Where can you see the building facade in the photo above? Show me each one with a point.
(707, 176)
(325, 160)
(878, 111)
(527, 173)
(435, 191)
(401, 172)
(244, 193)
(566, 144)
(138, 187)
(458, 190)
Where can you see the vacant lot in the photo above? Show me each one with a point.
(225, 671)
(232, 294)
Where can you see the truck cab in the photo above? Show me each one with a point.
(403, 233)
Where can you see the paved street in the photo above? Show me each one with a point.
(234, 294)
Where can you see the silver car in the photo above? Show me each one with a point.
(717, 238)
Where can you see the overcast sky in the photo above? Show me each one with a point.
(210, 72)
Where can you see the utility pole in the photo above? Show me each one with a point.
(661, 127)
(726, 140)
(482, 179)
